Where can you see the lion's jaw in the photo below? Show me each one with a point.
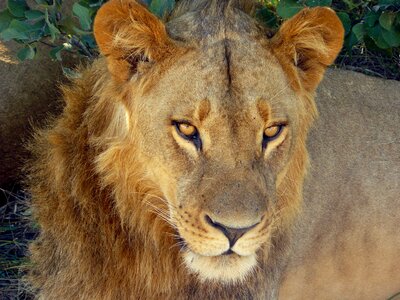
(221, 268)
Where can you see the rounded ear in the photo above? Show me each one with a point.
(127, 33)
(307, 43)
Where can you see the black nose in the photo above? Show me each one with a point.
(233, 234)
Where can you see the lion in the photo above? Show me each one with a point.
(176, 169)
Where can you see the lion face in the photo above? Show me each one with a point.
(217, 144)
(219, 123)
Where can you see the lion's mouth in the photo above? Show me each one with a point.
(184, 246)
(225, 267)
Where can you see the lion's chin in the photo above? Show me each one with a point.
(223, 268)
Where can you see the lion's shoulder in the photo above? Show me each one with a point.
(349, 223)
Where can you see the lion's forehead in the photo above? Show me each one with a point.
(232, 74)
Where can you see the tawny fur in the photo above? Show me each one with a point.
(110, 206)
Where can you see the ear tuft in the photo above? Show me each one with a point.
(127, 33)
(309, 42)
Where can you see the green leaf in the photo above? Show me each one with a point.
(161, 7)
(55, 53)
(20, 26)
(26, 53)
(17, 30)
(350, 41)
(267, 17)
(38, 30)
(53, 31)
(313, 3)
(376, 34)
(11, 34)
(17, 7)
(22, 31)
(386, 19)
(371, 18)
(83, 14)
(359, 31)
(288, 8)
(5, 19)
(34, 14)
(80, 32)
(391, 37)
(344, 17)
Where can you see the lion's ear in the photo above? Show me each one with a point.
(308, 43)
(127, 33)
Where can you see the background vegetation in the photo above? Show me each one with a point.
(371, 45)
(16, 230)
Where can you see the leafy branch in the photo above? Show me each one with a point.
(372, 25)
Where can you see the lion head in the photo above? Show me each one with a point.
(207, 134)
(177, 165)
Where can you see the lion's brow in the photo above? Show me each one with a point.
(203, 109)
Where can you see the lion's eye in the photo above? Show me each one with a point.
(187, 129)
(188, 132)
(271, 133)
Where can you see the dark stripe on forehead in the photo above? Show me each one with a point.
(228, 63)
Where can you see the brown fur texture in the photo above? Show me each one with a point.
(346, 243)
(127, 206)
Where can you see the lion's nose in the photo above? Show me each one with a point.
(233, 234)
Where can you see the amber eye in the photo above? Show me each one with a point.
(186, 129)
(271, 133)
(188, 132)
